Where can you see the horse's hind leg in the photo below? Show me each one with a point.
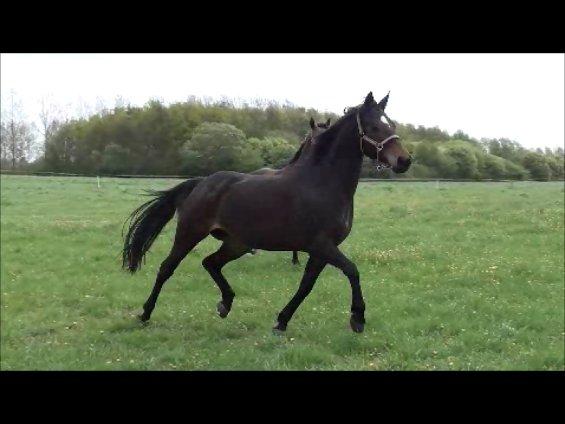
(295, 260)
(229, 251)
(184, 243)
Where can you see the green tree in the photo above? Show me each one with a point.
(505, 148)
(515, 171)
(466, 163)
(492, 167)
(115, 159)
(275, 151)
(437, 163)
(537, 166)
(555, 164)
(217, 146)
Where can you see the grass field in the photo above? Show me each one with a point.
(460, 276)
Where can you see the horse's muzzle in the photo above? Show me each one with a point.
(402, 165)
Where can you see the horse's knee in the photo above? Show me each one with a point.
(210, 264)
(206, 263)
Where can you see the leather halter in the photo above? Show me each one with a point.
(379, 145)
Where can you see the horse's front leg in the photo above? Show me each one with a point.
(329, 253)
(313, 268)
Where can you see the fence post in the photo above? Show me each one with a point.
(98, 181)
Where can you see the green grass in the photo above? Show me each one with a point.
(467, 276)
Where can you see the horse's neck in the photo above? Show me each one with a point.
(339, 162)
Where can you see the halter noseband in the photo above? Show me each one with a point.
(378, 145)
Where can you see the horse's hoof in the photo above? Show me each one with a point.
(279, 329)
(143, 318)
(222, 310)
(356, 326)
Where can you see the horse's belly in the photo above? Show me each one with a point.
(268, 221)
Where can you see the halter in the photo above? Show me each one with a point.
(378, 145)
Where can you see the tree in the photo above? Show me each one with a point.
(61, 147)
(555, 164)
(505, 148)
(466, 162)
(275, 152)
(18, 137)
(537, 166)
(217, 146)
(4, 162)
(436, 161)
(164, 139)
(492, 167)
(515, 171)
(115, 159)
(49, 118)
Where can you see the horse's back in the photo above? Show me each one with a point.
(203, 201)
(264, 171)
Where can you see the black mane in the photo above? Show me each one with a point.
(324, 141)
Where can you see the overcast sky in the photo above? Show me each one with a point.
(518, 96)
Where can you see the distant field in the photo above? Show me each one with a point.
(460, 276)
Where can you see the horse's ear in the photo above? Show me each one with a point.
(312, 123)
(383, 102)
(369, 99)
(328, 122)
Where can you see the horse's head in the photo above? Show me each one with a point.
(377, 139)
(315, 130)
(318, 128)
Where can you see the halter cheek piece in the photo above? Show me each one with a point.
(378, 145)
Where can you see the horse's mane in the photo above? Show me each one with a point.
(332, 129)
(324, 140)
(299, 151)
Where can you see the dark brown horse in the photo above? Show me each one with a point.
(315, 130)
(304, 207)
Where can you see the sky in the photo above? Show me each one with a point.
(517, 96)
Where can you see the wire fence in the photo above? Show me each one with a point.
(184, 177)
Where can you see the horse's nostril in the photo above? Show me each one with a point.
(404, 162)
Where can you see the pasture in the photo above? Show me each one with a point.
(456, 276)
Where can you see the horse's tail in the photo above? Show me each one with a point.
(148, 220)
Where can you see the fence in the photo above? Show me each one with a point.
(183, 177)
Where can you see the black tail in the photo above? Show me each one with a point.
(148, 220)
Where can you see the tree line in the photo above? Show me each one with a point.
(199, 137)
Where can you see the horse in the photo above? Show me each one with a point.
(305, 207)
(315, 130)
